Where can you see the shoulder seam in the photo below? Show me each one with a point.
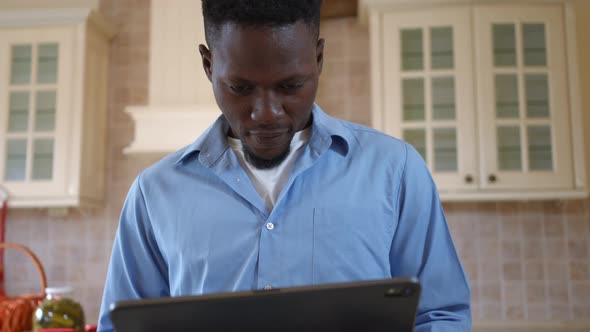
(143, 200)
(367, 130)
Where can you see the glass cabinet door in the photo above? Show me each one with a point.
(428, 95)
(523, 102)
(532, 126)
(29, 148)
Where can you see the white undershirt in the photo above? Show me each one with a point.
(269, 182)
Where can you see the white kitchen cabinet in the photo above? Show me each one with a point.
(424, 77)
(523, 102)
(53, 75)
(486, 91)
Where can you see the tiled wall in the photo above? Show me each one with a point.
(345, 81)
(525, 260)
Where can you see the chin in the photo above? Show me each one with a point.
(261, 161)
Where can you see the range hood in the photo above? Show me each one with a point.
(181, 104)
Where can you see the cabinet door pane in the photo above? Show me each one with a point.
(535, 49)
(412, 49)
(445, 150)
(47, 63)
(16, 159)
(509, 149)
(442, 47)
(537, 95)
(504, 45)
(45, 111)
(443, 98)
(417, 138)
(43, 159)
(18, 117)
(540, 149)
(413, 99)
(21, 64)
(506, 96)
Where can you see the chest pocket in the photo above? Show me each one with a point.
(350, 244)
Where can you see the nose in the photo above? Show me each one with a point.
(267, 108)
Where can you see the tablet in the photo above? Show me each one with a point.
(377, 305)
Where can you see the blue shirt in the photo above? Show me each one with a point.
(358, 205)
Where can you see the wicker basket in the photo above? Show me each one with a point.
(16, 312)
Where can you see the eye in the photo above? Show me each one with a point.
(240, 89)
(291, 87)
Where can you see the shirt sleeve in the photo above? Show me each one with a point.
(422, 247)
(137, 268)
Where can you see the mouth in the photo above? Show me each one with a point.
(268, 138)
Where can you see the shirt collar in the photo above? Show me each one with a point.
(327, 132)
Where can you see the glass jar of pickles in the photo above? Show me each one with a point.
(58, 311)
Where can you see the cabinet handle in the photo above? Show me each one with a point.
(468, 178)
(492, 178)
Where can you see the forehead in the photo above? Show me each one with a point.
(254, 50)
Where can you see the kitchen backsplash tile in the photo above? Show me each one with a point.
(490, 311)
(536, 311)
(535, 292)
(579, 270)
(533, 248)
(511, 227)
(514, 312)
(578, 248)
(558, 292)
(534, 270)
(580, 292)
(553, 225)
(554, 249)
(512, 271)
(511, 251)
(581, 311)
(557, 271)
(514, 292)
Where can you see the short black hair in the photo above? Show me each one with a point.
(259, 13)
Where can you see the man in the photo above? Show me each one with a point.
(277, 193)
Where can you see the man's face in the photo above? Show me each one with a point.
(265, 82)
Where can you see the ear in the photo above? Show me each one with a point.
(206, 58)
(320, 54)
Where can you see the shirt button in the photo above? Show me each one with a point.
(270, 226)
(267, 287)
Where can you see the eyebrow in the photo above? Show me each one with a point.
(290, 78)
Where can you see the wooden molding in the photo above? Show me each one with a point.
(37, 17)
(339, 8)
(153, 123)
(44, 4)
